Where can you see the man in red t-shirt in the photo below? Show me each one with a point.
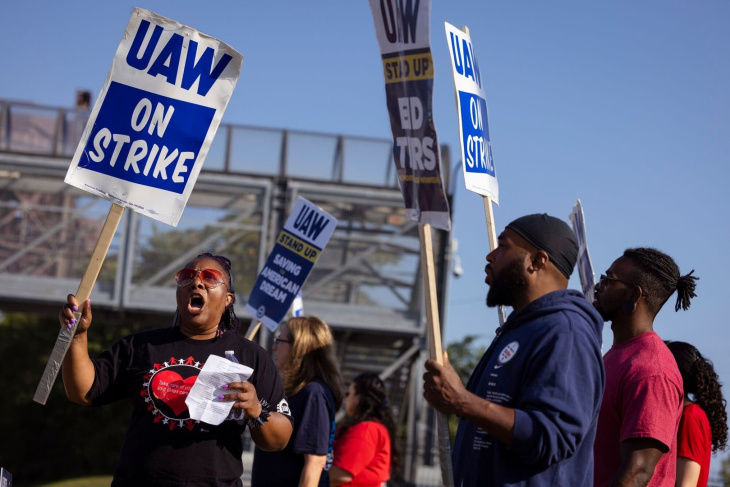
(636, 440)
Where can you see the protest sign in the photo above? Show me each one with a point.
(403, 33)
(480, 175)
(155, 117)
(147, 136)
(297, 248)
(585, 266)
(471, 107)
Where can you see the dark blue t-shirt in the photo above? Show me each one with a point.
(313, 410)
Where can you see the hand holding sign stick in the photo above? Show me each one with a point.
(83, 293)
(162, 125)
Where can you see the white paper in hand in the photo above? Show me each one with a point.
(202, 401)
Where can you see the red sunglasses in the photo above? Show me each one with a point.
(211, 278)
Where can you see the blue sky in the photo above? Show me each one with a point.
(625, 105)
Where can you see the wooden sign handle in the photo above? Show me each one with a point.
(253, 330)
(429, 283)
(435, 348)
(63, 342)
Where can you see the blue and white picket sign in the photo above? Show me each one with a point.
(297, 307)
(585, 266)
(155, 117)
(297, 248)
(480, 175)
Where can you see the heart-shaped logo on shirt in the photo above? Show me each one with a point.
(172, 389)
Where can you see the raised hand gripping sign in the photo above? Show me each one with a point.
(297, 248)
(148, 135)
(155, 118)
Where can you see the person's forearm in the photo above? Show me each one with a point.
(78, 370)
(274, 434)
(632, 475)
(498, 421)
(688, 472)
(312, 470)
(339, 476)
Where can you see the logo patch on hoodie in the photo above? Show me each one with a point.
(507, 354)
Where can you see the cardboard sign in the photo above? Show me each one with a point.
(155, 118)
(297, 248)
(471, 104)
(585, 266)
(403, 33)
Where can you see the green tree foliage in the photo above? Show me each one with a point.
(464, 356)
(61, 439)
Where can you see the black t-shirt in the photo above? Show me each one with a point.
(313, 410)
(155, 370)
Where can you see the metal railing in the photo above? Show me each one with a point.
(27, 128)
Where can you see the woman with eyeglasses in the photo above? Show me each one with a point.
(365, 445)
(155, 369)
(303, 352)
(703, 425)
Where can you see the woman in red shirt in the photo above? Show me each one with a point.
(703, 426)
(365, 449)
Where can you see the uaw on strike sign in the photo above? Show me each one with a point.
(471, 103)
(297, 248)
(155, 117)
(403, 33)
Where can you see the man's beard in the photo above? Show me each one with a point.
(510, 283)
(605, 315)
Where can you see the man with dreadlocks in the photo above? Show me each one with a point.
(155, 369)
(636, 441)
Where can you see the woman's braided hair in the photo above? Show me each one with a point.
(700, 380)
(658, 276)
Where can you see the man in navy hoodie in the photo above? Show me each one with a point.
(530, 409)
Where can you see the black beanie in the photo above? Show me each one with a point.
(552, 235)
